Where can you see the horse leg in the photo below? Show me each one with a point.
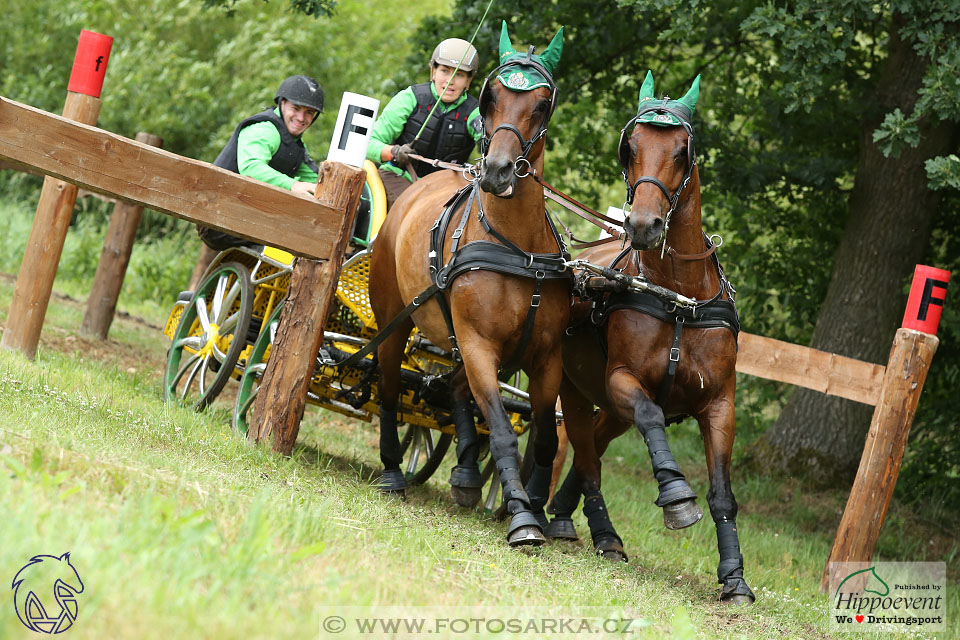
(563, 445)
(389, 355)
(717, 428)
(578, 421)
(482, 372)
(543, 400)
(676, 498)
(606, 541)
(466, 483)
(590, 437)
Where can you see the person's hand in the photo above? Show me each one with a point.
(401, 154)
(303, 188)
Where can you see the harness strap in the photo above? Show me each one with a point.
(667, 381)
(436, 250)
(691, 257)
(514, 362)
(385, 332)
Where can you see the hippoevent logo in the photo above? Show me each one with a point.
(888, 596)
(45, 593)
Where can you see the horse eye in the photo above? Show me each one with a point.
(542, 106)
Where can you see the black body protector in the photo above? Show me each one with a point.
(447, 135)
(286, 160)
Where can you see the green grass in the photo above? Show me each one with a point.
(180, 529)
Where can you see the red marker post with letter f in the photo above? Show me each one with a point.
(913, 349)
(31, 295)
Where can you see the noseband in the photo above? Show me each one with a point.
(485, 98)
(623, 151)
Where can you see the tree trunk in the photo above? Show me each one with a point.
(890, 218)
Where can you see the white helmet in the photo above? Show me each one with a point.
(453, 52)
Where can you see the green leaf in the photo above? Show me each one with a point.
(944, 172)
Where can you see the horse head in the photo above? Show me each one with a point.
(517, 98)
(656, 147)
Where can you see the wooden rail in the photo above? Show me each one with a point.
(196, 191)
(805, 367)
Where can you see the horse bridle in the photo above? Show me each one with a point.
(623, 154)
(485, 98)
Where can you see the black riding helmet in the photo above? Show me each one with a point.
(301, 90)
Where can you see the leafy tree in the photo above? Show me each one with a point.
(828, 135)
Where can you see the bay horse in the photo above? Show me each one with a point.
(502, 290)
(668, 353)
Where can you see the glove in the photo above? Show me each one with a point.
(400, 154)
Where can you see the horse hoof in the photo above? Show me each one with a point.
(466, 476)
(561, 529)
(737, 600)
(680, 515)
(610, 548)
(392, 483)
(526, 536)
(613, 556)
(737, 592)
(466, 496)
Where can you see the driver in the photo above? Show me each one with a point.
(268, 146)
(451, 131)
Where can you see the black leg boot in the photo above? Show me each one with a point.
(565, 502)
(466, 484)
(605, 539)
(391, 481)
(677, 499)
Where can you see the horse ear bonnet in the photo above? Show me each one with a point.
(685, 105)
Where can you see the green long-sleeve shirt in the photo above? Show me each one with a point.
(389, 125)
(256, 145)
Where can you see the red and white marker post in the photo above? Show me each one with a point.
(31, 295)
(913, 348)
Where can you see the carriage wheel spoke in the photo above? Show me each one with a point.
(193, 342)
(414, 451)
(203, 374)
(202, 315)
(184, 367)
(428, 441)
(216, 305)
(190, 377)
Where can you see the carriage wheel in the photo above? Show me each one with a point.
(209, 337)
(253, 372)
(425, 450)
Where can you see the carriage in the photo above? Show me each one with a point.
(225, 329)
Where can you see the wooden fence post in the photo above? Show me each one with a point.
(872, 489)
(117, 247)
(31, 295)
(280, 402)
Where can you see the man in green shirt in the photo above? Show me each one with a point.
(451, 129)
(268, 146)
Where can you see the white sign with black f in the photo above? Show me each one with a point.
(354, 126)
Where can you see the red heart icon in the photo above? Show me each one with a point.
(859, 618)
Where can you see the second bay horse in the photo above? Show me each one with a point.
(489, 283)
(665, 347)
